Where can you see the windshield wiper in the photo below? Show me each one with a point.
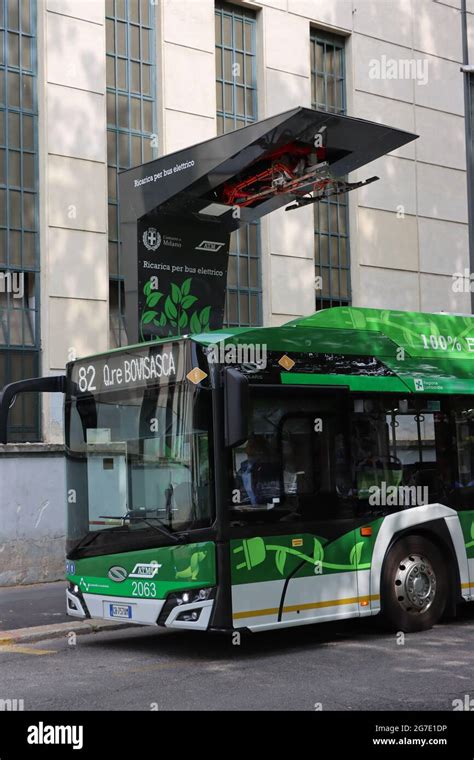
(89, 539)
(161, 528)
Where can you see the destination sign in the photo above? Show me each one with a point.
(152, 365)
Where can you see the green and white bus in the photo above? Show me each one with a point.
(257, 478)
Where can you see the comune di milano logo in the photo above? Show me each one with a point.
(45, 734)
(151, 239)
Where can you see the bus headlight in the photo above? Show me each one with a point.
(187, 597)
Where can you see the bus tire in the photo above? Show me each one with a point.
(414, 586)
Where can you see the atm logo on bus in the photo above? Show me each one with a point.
(141, 570)
(144, 570)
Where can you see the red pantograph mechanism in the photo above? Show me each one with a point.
(283, 169)
(295, 169)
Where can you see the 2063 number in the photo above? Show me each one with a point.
(144, 589)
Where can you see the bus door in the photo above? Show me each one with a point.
(294, 547)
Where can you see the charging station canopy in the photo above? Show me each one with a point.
(177, 212)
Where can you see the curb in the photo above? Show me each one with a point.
(40, 632)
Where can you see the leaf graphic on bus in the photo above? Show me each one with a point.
(355, 555)
(186, 287)
(147, 288)
(183, 320)
(280, 560)
(472, 531)
(318, 551)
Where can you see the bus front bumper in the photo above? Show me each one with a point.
(173, 612)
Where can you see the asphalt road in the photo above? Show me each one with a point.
(28, 606)
(343, 666)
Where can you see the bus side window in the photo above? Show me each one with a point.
(297, 456)
(315, 466)
(401, 453)
(463, 434)
(295, 462)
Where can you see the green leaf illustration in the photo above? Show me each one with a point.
(188, 301)
(170, 309)
(153, 299)
(173, 322)
(186, 287)
(355, 555)
(205, 314)
(163, 320)
(175, 293)
(148, 317)
(318, 551)
(280, 559)
(472, 530)
(147, 288)
(195, 323)
(183, 320)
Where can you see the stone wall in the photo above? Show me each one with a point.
(32, 514)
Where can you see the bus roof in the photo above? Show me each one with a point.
(369, 328)
(430, 353)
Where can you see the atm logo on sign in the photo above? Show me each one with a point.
(144, 570)
(209, 246)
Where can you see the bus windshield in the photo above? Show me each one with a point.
(137, 460)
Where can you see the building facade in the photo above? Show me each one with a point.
(91, 87)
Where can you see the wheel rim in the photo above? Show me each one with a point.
(415, 584)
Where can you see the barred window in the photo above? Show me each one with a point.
(236, 91)
(19, 243)
(131, 120)
(331, 244)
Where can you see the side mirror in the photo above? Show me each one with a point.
(54, 384)
(236, 400)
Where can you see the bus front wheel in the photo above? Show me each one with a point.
(414, 587)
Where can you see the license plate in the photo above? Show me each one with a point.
(123, 611)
